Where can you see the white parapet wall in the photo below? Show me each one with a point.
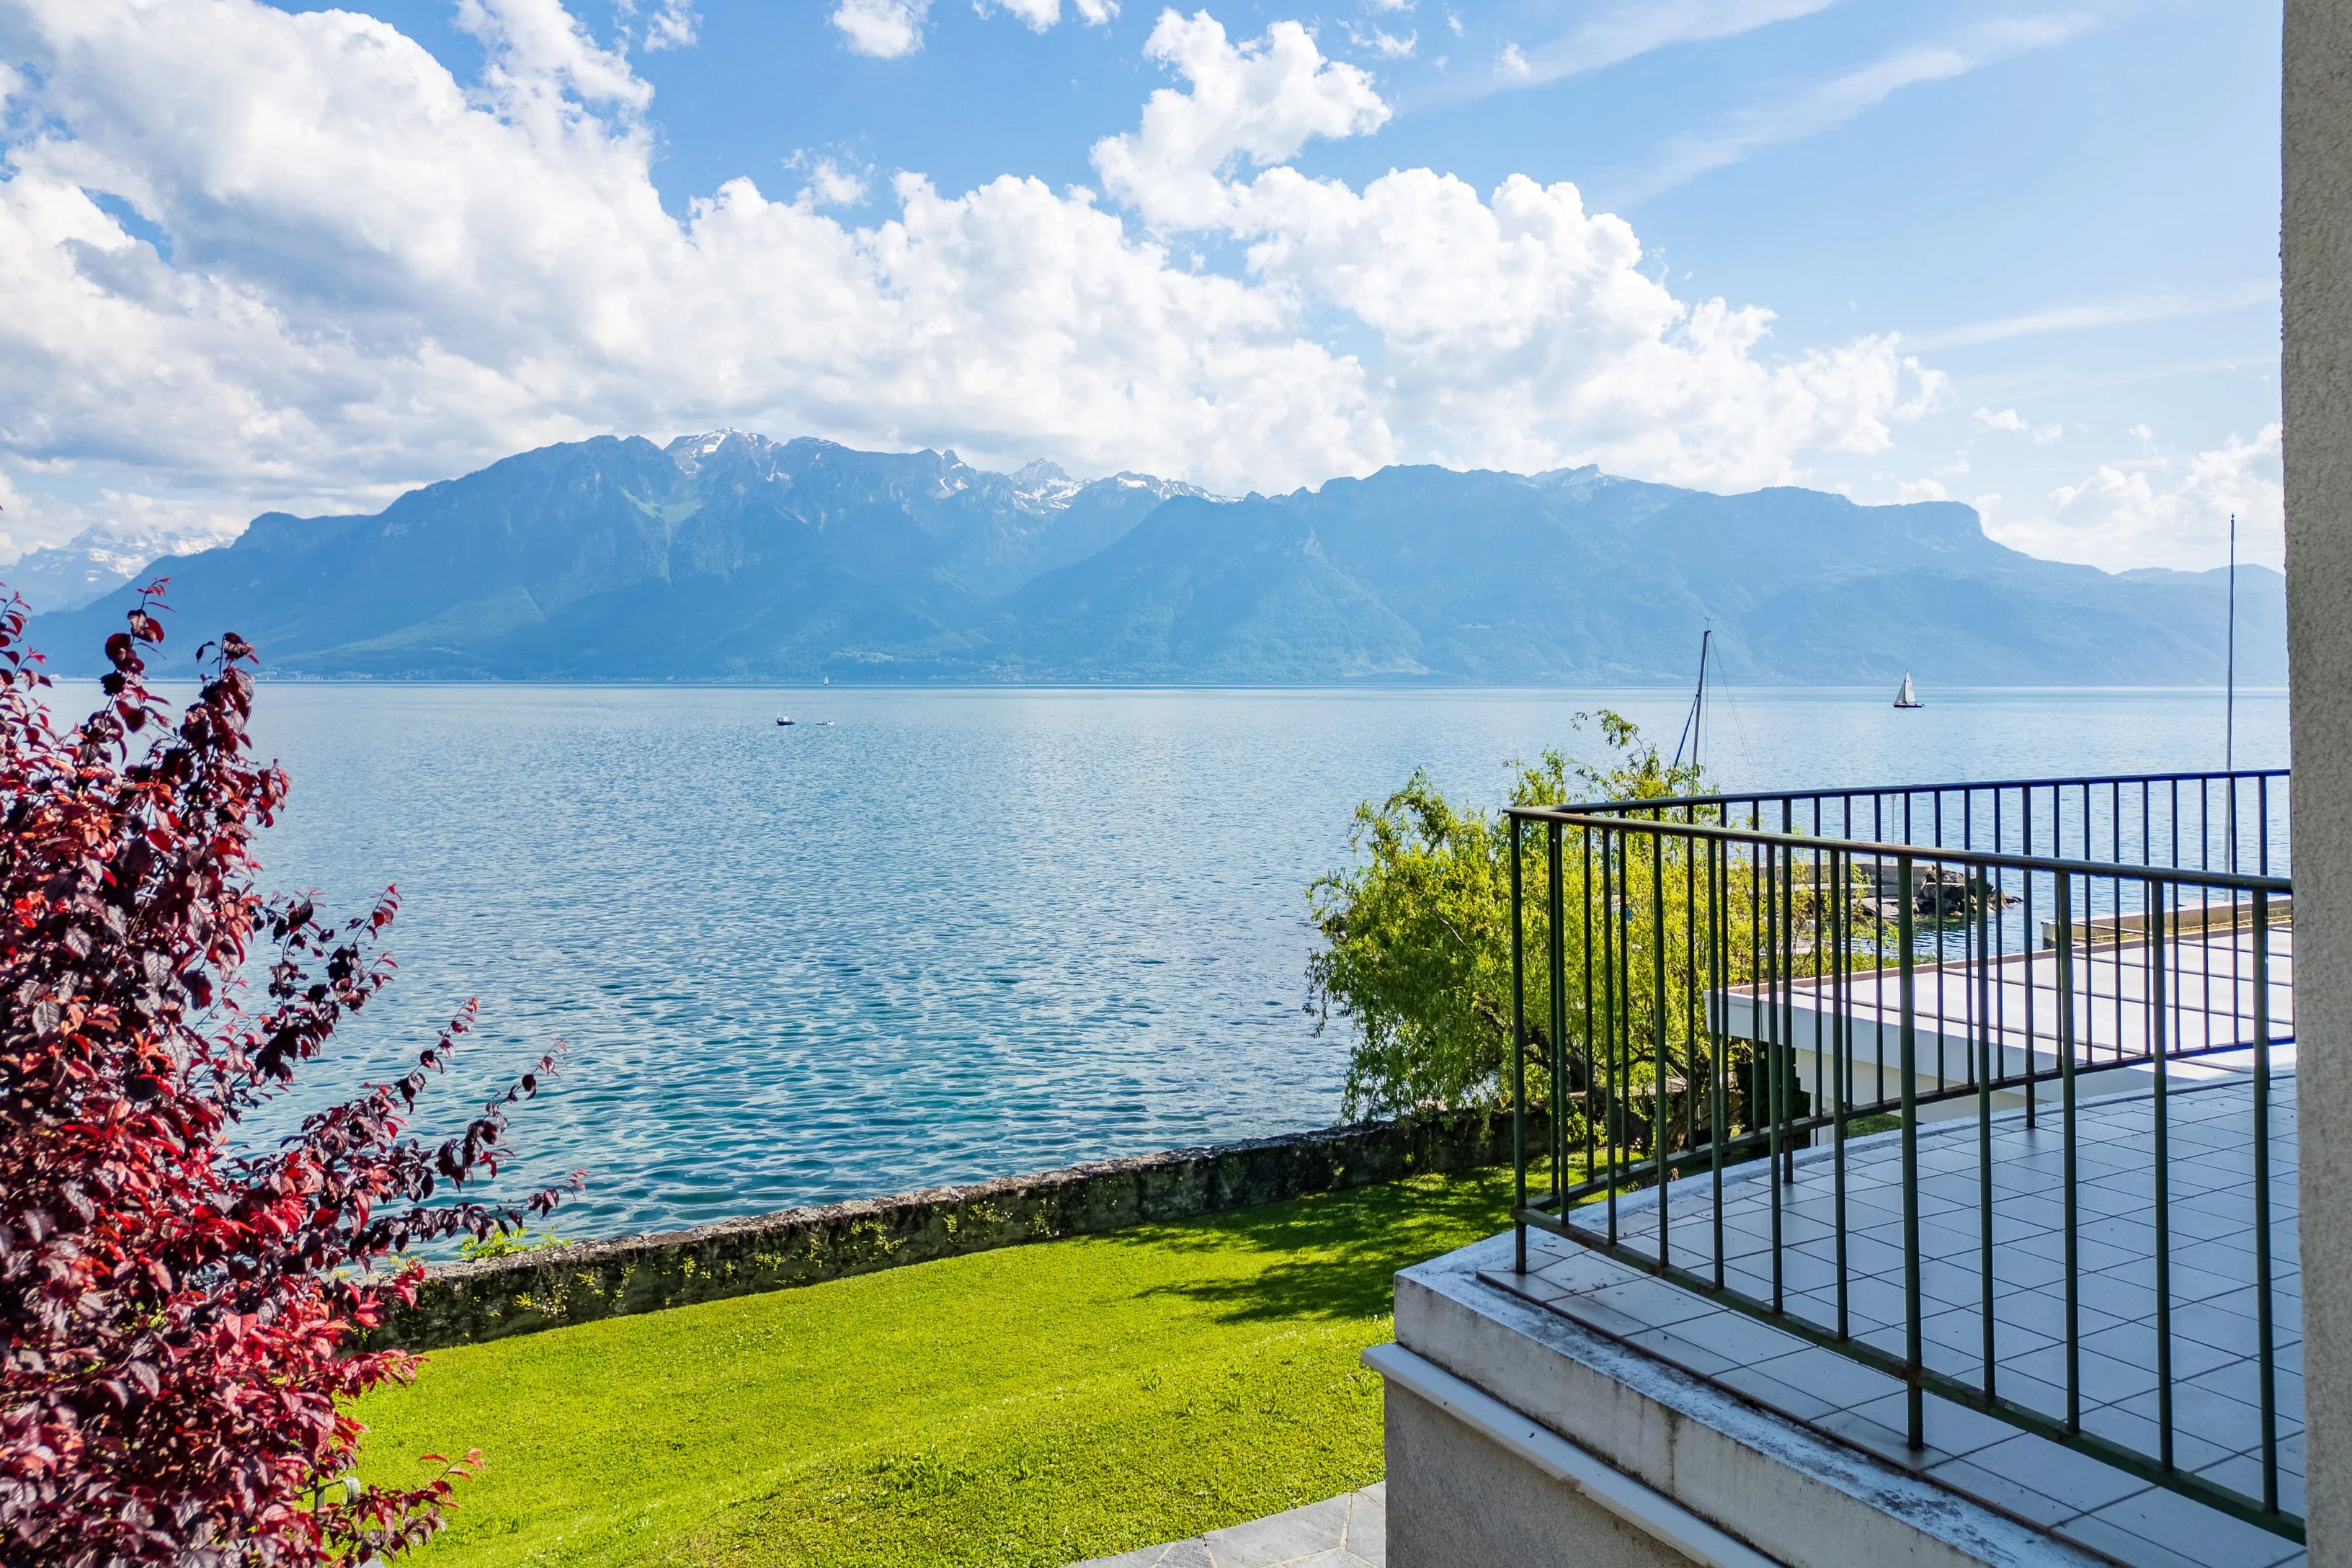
(1517, 1436)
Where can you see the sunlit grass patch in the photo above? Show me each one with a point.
(1028, 1406)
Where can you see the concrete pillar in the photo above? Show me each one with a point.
(2316, 260)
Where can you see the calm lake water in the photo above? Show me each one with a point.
(956, 934)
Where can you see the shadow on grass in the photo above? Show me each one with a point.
(1331, 1255)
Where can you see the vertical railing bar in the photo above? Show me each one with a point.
(2064, 901)
(1943, 956)
(2000, 917)
(1771, 1065)
(1760, 1027)
(1585, 846)
(1693, 1003)
(2157, 948)
(1785, 1067)
(1622, 920)
(1984, 925)
(1556, 980)
(1843, 891)
(1912, 1353)
(2032, 942)
(1612, 1137)
(2119, 964)
(2263, 820)
(1942, 935)
(1822, 1073)
(1967, 899)
(2230, 784)
(1719, 999)
(2237, 949)
(1519, 1062)
(1556, 974)
(1878, 943)
(2174, 820)
(1659, 1132)
(2267, 1353)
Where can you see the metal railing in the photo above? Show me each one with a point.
(2088, 1049)
(2233, 821)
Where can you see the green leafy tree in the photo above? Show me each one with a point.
(1416, 954)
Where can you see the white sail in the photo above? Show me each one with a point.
(1906, 698)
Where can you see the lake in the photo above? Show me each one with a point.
(955, 934)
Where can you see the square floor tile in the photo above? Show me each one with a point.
(2076, 1479)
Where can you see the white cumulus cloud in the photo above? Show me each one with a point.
(2163, 513)
(889, 29)
(539, 50)
(1518, 329)
(2010, 421)
(376, 274)
(674, 25)
(886, 30)
(1257, 102)
(830, 183)
(1386, 44)
(1043, 14)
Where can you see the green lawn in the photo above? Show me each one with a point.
(1030, 1407)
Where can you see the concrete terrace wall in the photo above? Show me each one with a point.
(463, 1303)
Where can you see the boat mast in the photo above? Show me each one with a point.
(1699, 705)
(1699, 699)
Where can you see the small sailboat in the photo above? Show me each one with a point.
(1906, 698)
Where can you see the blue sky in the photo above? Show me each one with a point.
(2017, 255)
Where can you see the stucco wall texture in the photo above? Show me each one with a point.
(2317, 262)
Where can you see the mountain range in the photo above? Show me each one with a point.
(94, 562)
(732, 557)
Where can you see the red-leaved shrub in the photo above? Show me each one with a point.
(184, 1314)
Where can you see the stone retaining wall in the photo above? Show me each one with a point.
(462, 1303)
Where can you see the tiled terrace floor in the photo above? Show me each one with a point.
(2215, 1398)
(2012, 1004)
(2209, 981)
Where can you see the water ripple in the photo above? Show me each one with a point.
(956, 934)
